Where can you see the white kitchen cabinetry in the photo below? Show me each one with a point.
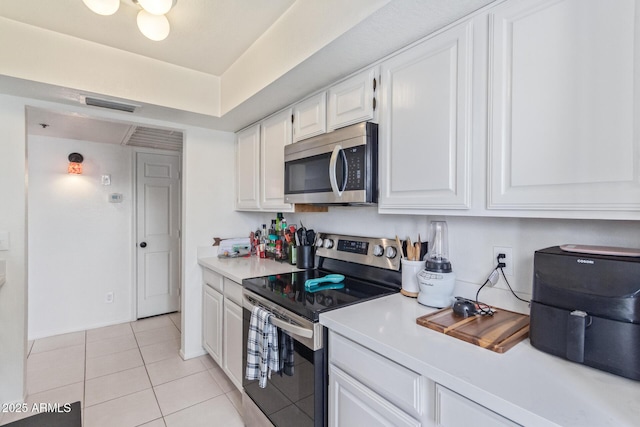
(368, 389)
(425, 124)
(247, 168)
(260, 164)
(310, 117)
(232, 332)
(353, 100)
(563, 124)
(276, 133)
(212, 314)
(453, 410)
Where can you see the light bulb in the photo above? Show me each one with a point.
(157, 7)
(102, 7)
(154, 27)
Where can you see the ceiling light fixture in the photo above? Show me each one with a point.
(103, 7)
(157, 7)
(152, 22)
(154, 27)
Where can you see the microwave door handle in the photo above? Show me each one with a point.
(345, 168)
(333, 178)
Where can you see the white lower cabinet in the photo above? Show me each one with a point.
(232, 333)
(353, 404)
(454, 410)
(212, 322)
(366, 388)
(222, 323)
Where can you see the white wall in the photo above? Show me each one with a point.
(471, 242)
(58, 59)
(209, 192)
(80, 245)
(13, 295)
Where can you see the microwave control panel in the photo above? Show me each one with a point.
(355, 167)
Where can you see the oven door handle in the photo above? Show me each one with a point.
(333, 176)
(285, 326)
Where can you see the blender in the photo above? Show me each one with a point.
(437, 280)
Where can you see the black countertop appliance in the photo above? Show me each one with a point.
(586, 308)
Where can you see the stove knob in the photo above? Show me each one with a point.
(378, 250)
(328, 243)
(319, 242)
(390, 252)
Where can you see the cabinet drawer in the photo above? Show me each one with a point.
(233, 291)
(212, 279)
(401, 386)
(453, 410)
(352, 404)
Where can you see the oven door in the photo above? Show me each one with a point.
(297, 395)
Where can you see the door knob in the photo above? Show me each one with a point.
(143, 244)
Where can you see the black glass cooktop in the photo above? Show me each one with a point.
(288, 291)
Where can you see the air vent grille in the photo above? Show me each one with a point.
(155, 138)
(103, 103)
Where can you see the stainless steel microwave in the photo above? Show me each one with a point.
(340, 167)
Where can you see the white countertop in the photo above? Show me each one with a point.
(524, 384)
(245, 267)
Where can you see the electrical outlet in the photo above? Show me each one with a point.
(507, 260)
(108, 298)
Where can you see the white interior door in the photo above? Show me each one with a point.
(158, 233)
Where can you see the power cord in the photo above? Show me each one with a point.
(485, 309)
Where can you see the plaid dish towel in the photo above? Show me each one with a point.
(286, 354)
(262, 347)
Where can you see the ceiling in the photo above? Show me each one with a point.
(209, 36)
(206, 35)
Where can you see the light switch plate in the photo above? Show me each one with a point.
(4, 240)
(106, 179)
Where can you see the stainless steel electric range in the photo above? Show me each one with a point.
(297, 396)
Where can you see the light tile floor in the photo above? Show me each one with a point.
(130, 375)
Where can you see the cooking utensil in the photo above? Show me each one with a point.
(329, 278)
(399, 247)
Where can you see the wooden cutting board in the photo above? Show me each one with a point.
(497, 333)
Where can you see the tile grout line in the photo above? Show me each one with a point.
(144, 363)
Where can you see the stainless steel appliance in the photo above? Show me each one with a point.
(586, 308)
(340, 167)
(371, 269)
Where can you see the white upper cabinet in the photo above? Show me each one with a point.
(563, 135)
(276, 133)
(310, 117)
(425, 125)
(353, 100)
(247, 168)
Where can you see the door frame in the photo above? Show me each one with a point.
(134, 234)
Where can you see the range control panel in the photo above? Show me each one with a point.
(373, 251)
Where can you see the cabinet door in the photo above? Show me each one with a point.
(212, 323)
(352, 404)
(232, 364)
(247, 167)
(563, 134)
(453, 410)
(276, 133)
(310, 117)
(425, 124)
(353, 100)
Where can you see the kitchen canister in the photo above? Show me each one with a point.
(305, 256)
(410, 270)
